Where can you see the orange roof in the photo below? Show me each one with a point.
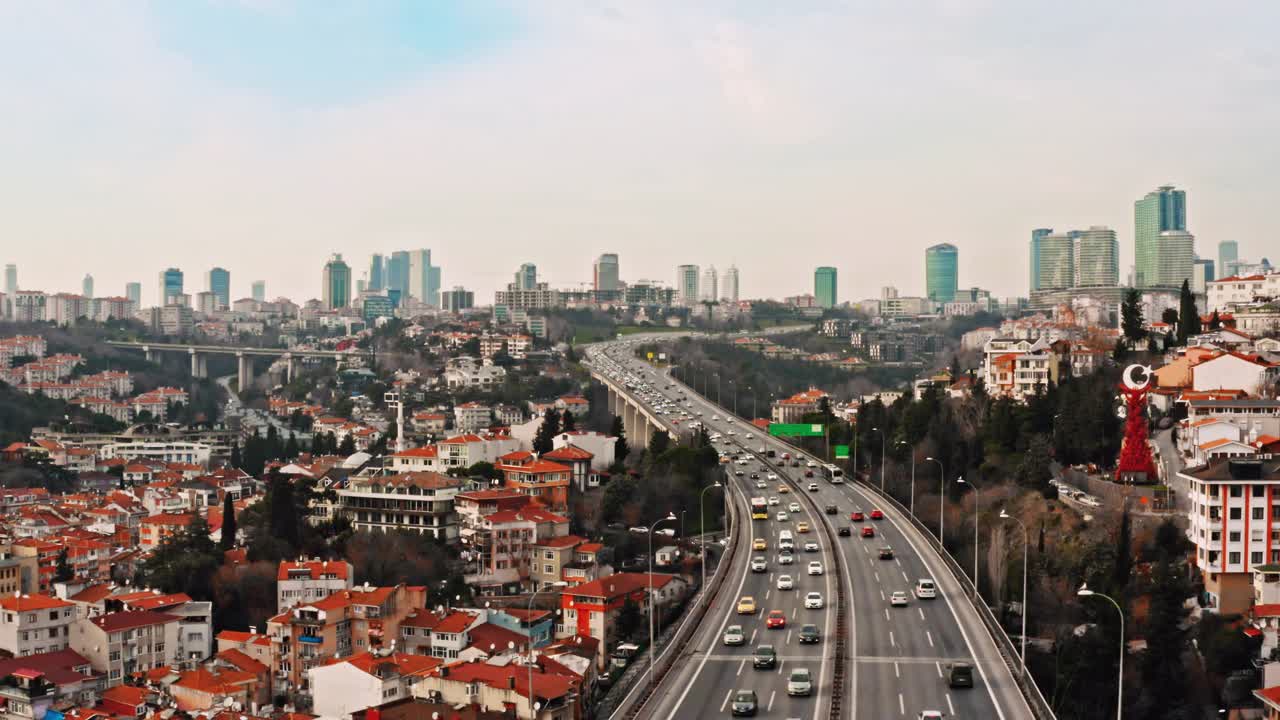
(1216, 443)
(404, 663)
(26, 603)
(1266, 610)
(175, 519)
(426, 451)
(214, 683)
(617, 585)
(568, 452)
(243, 662)
(537, 466)
(315, 568)
(560, 542)
(455, 622)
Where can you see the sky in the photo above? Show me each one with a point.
(264, 135)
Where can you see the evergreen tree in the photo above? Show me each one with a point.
(348, 445)
(228, 524)
(1215, 322)
(620, 448)
(236, 460)
(291, 448)
(1188, 315)
(567, 421)
(317, 444)
(282, 521)
(550, 428)
(1152, 346)
(63, 571)
(1169, 317)
(1131, 321)
(659, 444)
(1163, 671)
(1124, 555)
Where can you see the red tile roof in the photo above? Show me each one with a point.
(117, 621)
(568, 452)
(617, 585)
(455, 622)
(26, 603)
(315, 568)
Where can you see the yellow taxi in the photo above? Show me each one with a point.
(759, 544)
(747, 606)
(802, 527)
(784, 489)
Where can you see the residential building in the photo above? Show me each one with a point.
(194, 637)
(1234, 371)
(1096, 257)
(544, 480)
(793, 409)
(1016, 367)
(122, 643)
(504, 687)
(204, 689)
(471, 416)
(1234, 291)
(599, 445)
(69, 674)
(155, 529)
(1162, 261)
(307, 581)
(825, 290)
(941, 267)
(729, 285)
(709, 286)
(592, 609)
(686, 287)
(420, 502)
(366, 680)
(33, 624)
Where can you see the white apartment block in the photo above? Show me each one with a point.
(1015, 367)
(471, 416)
(307, 581)
(121, 643)
(31, 624)
(1228, 292)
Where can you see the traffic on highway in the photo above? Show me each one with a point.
(766, 646)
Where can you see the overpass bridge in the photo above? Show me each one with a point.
(199, 355)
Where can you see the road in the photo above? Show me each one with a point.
(896, 668)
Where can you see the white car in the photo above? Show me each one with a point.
(794, 507)
(813, 601)
(800, 682)
(786, 558)
(815, 568)
(783, 516)
(773, 499)
(772, 476)
(715, 417)
(786, 583)
(758, 564)
(813, 487)
(748, 436)
(811, 546)
(733, 635)
(898, 599)
(760, 485)
(925, 589)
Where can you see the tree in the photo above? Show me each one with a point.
(659, 444)
(1131, 321)
(543, 440)
(628, 618)
(236, 460)
(63, 571)
(228, 524)
(1215, 322)
(1188, 315)
(1124, 554)
(567, 421)
(620, 448)
(317, 444)
(1163, 671)
(185, 562)
(1033, 470)
(1169, 317)
(283, 520)
(348, 445)
(291, 448)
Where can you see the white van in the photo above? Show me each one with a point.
(925, 589)
(786, 540)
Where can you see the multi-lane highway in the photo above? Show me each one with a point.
(896, 654)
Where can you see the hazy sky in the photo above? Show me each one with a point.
(263, 135)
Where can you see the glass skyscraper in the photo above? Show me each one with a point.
(259, 290)
(1036, 236)
(687, 285)
(941, 272)
(376, 266)
(336, 283)
(1057, 261)
(170, 286)
(397, 273)
(1228, 254)
(604, 274)
(1096, 256)
(526, 277)
(133, 291)
(824, 286)
(220, 285)
(1161, 262)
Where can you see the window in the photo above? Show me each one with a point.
(1259, 513)
(1235, 513)
(31, 617)
(1233, 536)
(1258, 490)
(1255, 558)
(546, 568)
(1237, 491)
(1233, 558)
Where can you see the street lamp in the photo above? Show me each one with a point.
(1025, 542)
(942, 500)
(669, 518)
(533, 658)
(876, 429)
(702, 527)
(913, 474)
(977, 513)
(1084, 591)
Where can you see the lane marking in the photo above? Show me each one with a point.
(891, 642)
(896, 672)
(775, 693)
(921, 611)
(725, 704)
(939, 669)
(902, 707)
(788, 640)
(753, 636)
(930, 636)
(950, 708)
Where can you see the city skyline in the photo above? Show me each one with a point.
(335, 153)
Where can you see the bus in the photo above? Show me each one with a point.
(834, 474)
(759, 509)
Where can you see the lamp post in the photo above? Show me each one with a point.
(702, 527)
(977, 513)
(669, 518)
(942, 500)
(913, 475)
(533, 657)
(718, 385)
(876, 429)
(1084, 591)
(1025, 542)
(733, 388)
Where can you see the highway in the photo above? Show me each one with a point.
(898, 653)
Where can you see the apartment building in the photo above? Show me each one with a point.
(499, 546)
(420, 502)
(543, 480)
(122, 643)
(34, 624)
(793, 409)
(1234, 523)
(471, 416)
(505, 687)
(305, 581)
(194, 637)
(155, 529)
(1015, 367)
(592, 609)
(366, 680)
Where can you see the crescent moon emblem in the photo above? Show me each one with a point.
(1142, 379)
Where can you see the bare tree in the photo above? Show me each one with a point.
(997, 557)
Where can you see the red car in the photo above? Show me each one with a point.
(808, 473)
(856, 516)
(776, 619)
(868, 531)
(877, 515)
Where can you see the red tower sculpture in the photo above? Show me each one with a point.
(1136, 464)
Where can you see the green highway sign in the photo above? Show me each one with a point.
(842, 452)
(796, 430)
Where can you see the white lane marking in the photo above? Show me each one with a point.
(775, 693)
(905, 578)
(753, 636)
(886, 614)
(921, 611)
(896, 673)
(726, 700)
(930, 636)
(742, 665)
(877, 578)
(939, 669)
(793, 613)
(950, 708)
(882, 597)
(780, 664)
(902, 706)
(891, 642)
(766, 594)
(788, 640)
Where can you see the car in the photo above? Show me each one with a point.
(773, 499)
(760, 485)
(877, 515)
(800, 683)
(786, 583)
(802, 527)
(755, 476)
(738, 473)
(832, 510)
(815, 568)
(929, 715)
(809, 635)
(808, 473)
(782, 516)
(794, 507)
(745, 703)
(813, 601)
(747, 605)
(959, 674)
(886, 553)
(868, 532)
(844, 531)
(925, 589)
(786, 558)
(764, 657)
(759, 544)
(795, 463)
(758, 564)
(898, 599)
(748, 436)
(783, 489)
(856, 516)
(715, 417)
(776, 619)
(733, 635)
(811, 546)
(811, 464)
(813, 487)
(773, 476)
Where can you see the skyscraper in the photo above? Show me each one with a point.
(336, 283)
(1176, 257)
(86, 286)
(1228, 254)
(376, 267)
(219, 282)
(259, 290)
(1201, 275)
(729, 285)
(424, 278)
(687, 285)
(433, 286)
(10, 279)
(941, 272)
(1036, 236)
(1056, 268)
(396, 272)
(170, 286)
(1096, 256)
(133, 291)
(527, 277)
(824, 287)
(605, 273)
(1161, 210)
(709, 289)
